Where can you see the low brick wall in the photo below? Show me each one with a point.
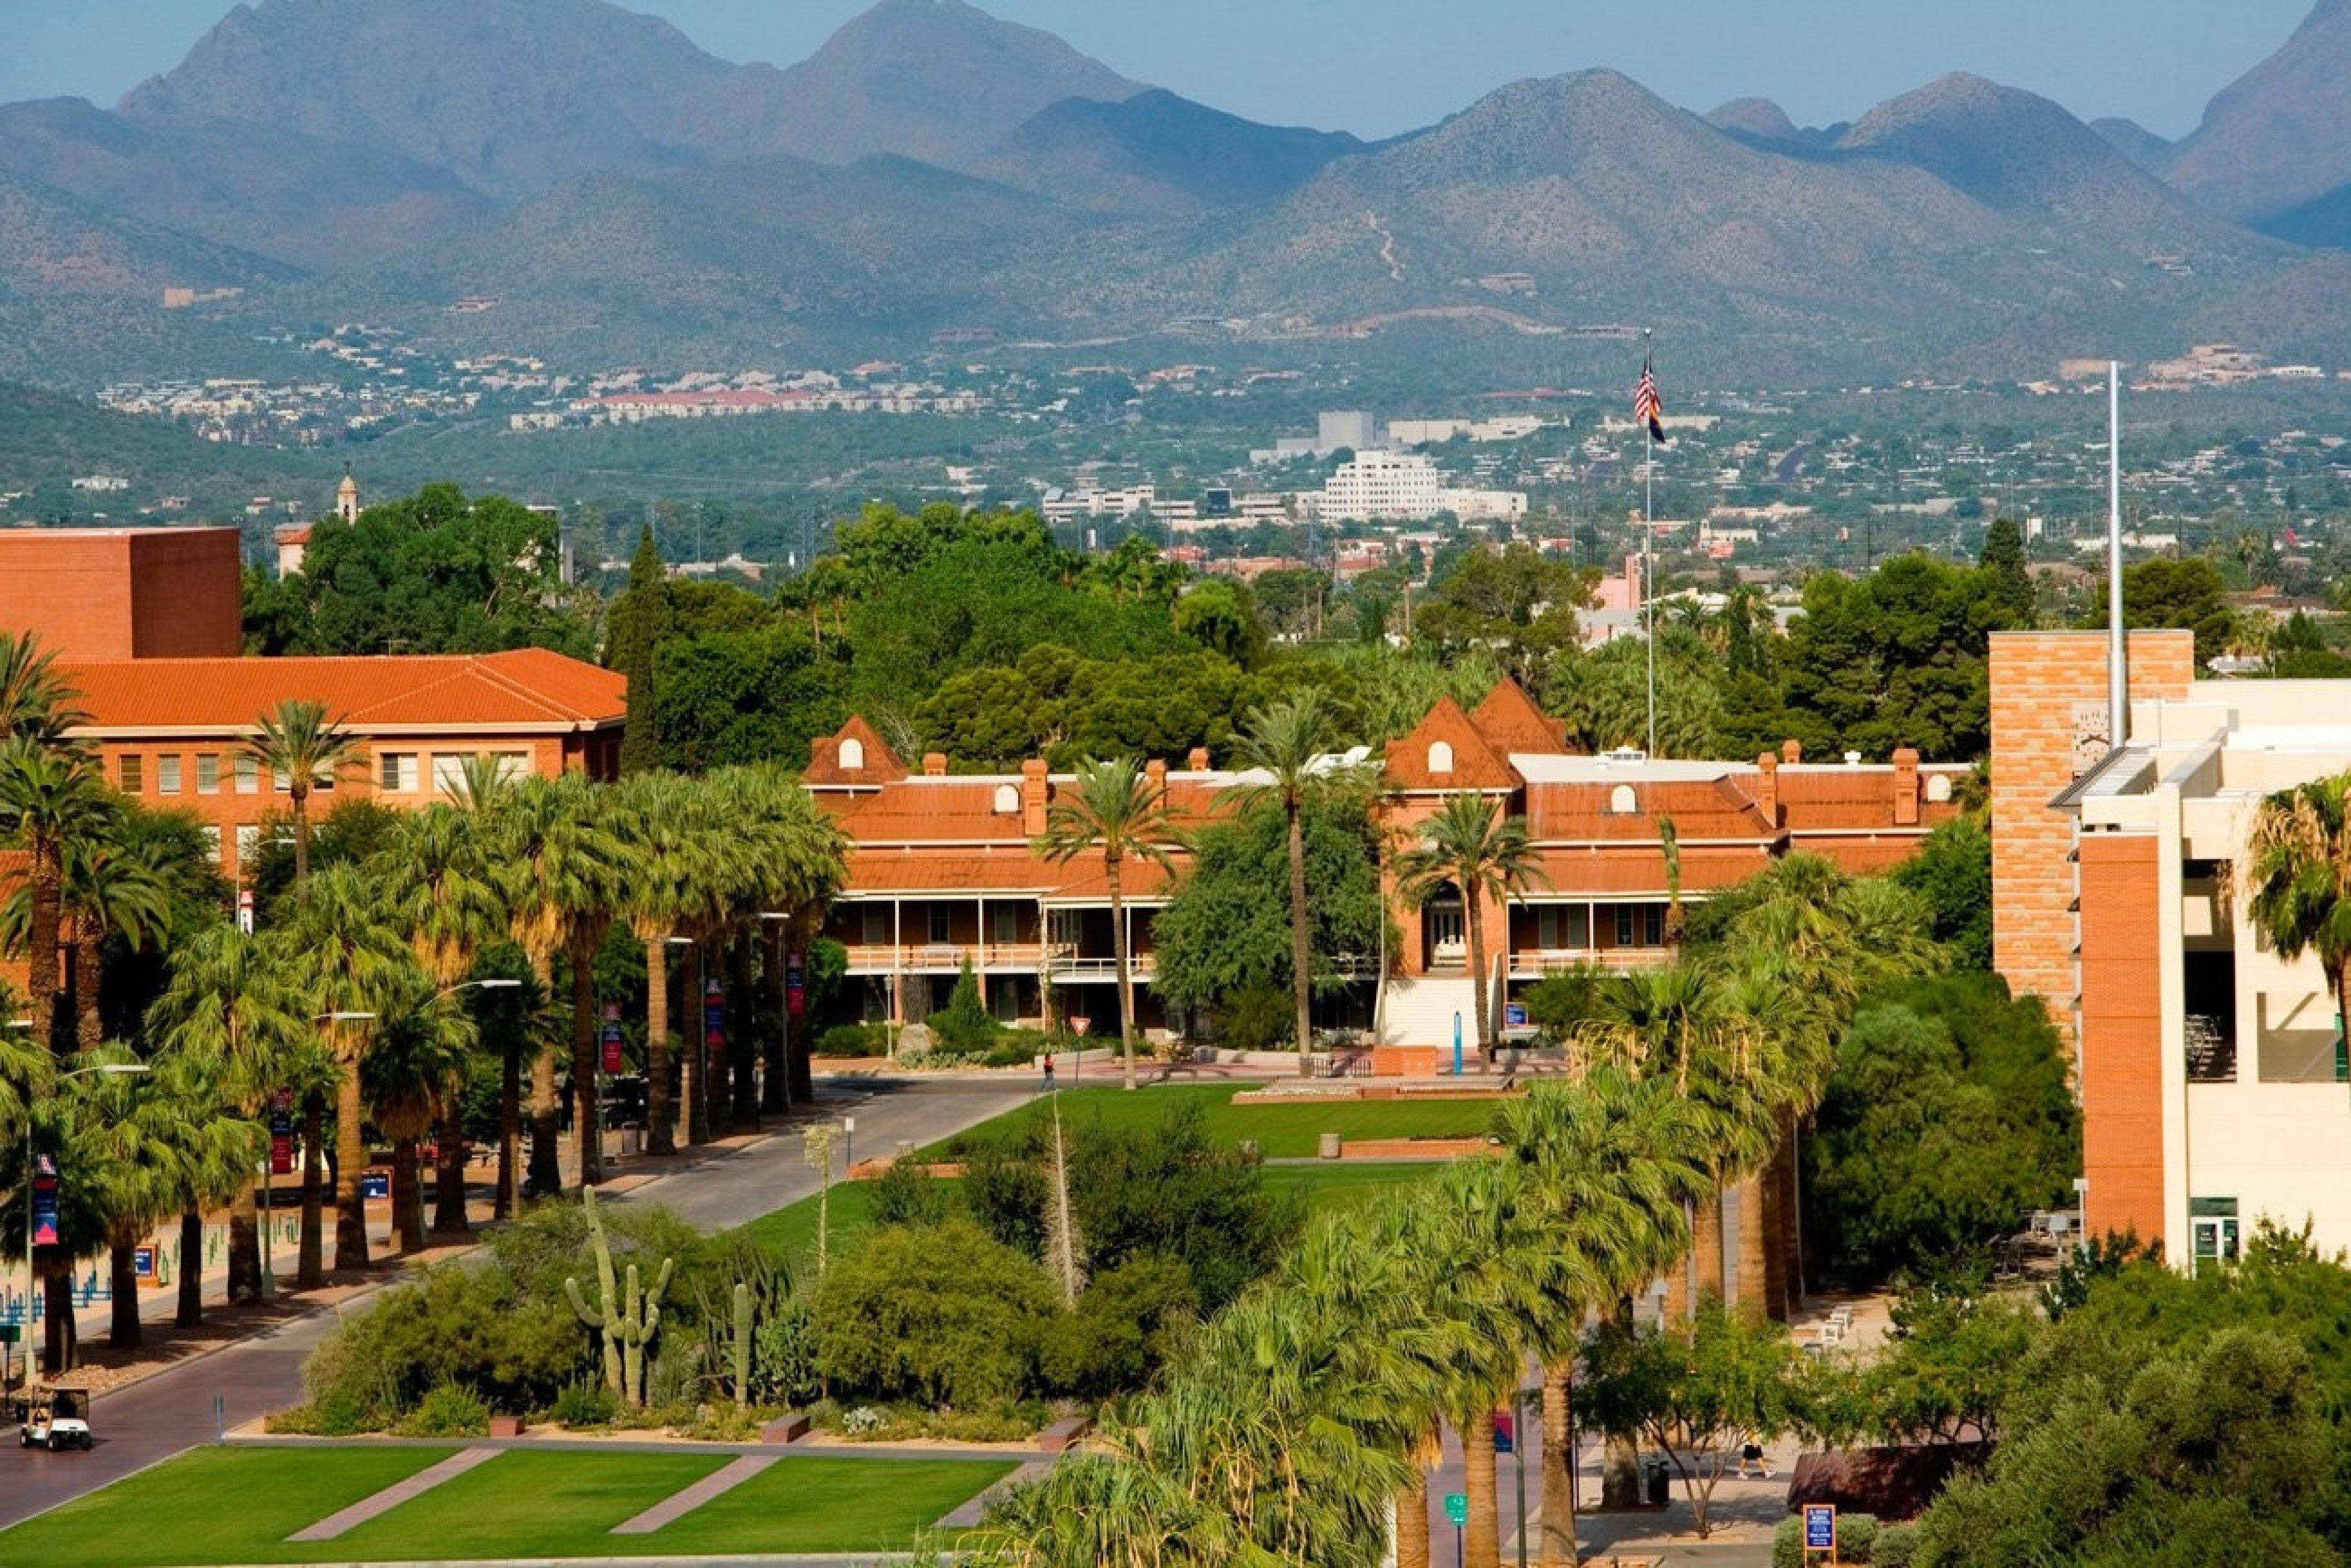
(1414, 1148)
(1404, 1062)
(873, 1166)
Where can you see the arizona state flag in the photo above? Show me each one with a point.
(1646, 407)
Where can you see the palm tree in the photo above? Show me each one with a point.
(566, 870)
(212, 1147)
(35, 700)
(679, 851)
(1116, 809)
(1287, 747)
(233, 1000)
(481, 790)
(1472, 846)
(1669, 843)
(107, 891)
(420, 1046)
(49, 796)
(442, 894)
(359, 970)
(1611, 1166)
(297, 742)
(2295, 877)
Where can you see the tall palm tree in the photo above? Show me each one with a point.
(107, 891)
(443, 895)
(296, 741)
(2295, 877)
(214, 1147)
(49, 796)
(1610, 1168)
(680, 853)
(357, 962)
(234, 999)
(35, 701)
(1286, 747)
(1470, 845)
(566, 870)
(1669, 843)
(481, 790)
(420, 1044)
(1116, 809)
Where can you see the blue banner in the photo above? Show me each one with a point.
(714, 1016)
(45, 1202)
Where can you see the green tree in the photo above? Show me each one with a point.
(2163, 593)
(1221, 616)
(1485, 855)
(2002, 557)
(1116, 810)
(640, 621)
(1950, 873)
(35, 701)
(1287, 746)
(304, 749)
(943, 1316)
(2295, 877)
(50, 795)
(738, 695)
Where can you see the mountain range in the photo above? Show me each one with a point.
(621, 195)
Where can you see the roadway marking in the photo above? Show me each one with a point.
(392, 1496)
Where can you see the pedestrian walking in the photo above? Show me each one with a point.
(1048, 1072)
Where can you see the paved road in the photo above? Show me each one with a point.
(174, 1411)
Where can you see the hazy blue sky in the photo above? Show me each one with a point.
(1375, 66)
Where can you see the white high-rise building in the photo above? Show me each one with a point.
(1378, 484)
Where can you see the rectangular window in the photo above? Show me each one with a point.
(207, 772)
(513, 766)
(939, 927)
(212, 843)
(281, 781)
(130, 773)
(397, 771)
(876, 925)
(1562, 928)
(1640, 926)
(248, 848)
(1004, 920)
(448, 770)
(248, 775)
(167, 773)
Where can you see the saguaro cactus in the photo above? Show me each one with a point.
(628, 1317)
(742, 1345)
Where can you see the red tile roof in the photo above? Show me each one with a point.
(882, 764)
(1701, 808)
(1475, 764)
(1512, 722)
(524, 689)
(1612, 870)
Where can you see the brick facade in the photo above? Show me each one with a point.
(124, 594)
(2121, 1056)
(2048, 721)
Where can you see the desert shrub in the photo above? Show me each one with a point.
(907, 1194)
(1005, 1190)
(469, 1328)
(1896, 1546)
(1257, 1018)
(447, 1411)
(941, 1315)
(854, 1040)
(1126, 1323)
(783, 1353)
(584, 1404)
(1168, 1190)
(337, 1413)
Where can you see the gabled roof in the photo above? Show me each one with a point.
(1475, 764)
(523, 689)
(1701, 808)
(1511, 721)
(881, 764)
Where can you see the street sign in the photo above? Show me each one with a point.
(1514, 1015)
(1457, 1507)
(1077, 1026)
(1820, 1527)
(142, 1263)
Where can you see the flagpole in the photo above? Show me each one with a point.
(1648, 533)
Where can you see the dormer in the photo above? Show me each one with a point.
(1441, 757)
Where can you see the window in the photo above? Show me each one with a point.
(248, 775)
(513, 766)
(1939, 786)
(852, 754)
(280, 781)
(396, 770)
(449, 771)
(167, 773)
(213, 843)
(130, 773)
(248, 848)
(1560, 928)
(876, 925)
(939, 927)
(1004, 924)
(1008, 801)
(1623, 802)
(207, 772)
(324, 783)
(1441, 757)
(1640, 926)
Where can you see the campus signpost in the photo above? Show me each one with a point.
(1819, 1531)
(1457, 1509)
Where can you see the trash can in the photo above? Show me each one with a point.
(631, 1141)
(1656, 1482)
(1328, 1147)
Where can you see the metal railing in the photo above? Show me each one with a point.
(919, 957)
(1533, 964)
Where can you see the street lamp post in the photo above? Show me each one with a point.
(107, 1070)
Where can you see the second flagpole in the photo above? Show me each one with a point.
(1648, 533)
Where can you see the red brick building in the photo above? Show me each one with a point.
(124, 594)
(943, 871)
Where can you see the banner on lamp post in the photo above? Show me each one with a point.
(714, 1015)
(281, 1132)
(45, 1201)
(612, 1037)
(796, 984)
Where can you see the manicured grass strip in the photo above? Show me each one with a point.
(1337, 1187)
(216, 1505)
(828, 1505)
(343, 1520)
(677, 1505)
(792, 1229)
(529, 1503)
(1281, 1131)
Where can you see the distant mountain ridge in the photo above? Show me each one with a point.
(2279, 137)
(620, 194)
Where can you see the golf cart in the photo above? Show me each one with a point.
(53, 1418)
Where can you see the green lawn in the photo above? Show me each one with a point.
(238, 1505)
(1282, 1132)
(1329, 1187)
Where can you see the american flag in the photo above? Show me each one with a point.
(1648, 408)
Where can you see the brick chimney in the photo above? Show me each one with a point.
(1767, 786)
(1198, 761)
(935, 764)
(1033, 795)
(1792, 752)
(1154, 773)
(1905, 786)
